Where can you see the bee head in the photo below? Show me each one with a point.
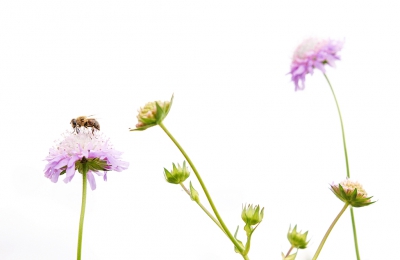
(73, 123)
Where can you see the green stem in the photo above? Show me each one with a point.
(341, 124)
(204, 209)
(247, 247)
(329, 231)
(353, 222)
(83, 206)
(288, 253)
(203, 186)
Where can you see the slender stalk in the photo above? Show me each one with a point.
(341, 124)
(288, 253)
(329, 231)
(203, 186)
(247, 247)
(353, 222)
(204, 209)
(83, 206)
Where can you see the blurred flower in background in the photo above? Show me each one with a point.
(313, 53)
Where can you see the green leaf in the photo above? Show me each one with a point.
(240, 242)
(289, 257)
(194, 195)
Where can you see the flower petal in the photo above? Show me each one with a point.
(91, 180)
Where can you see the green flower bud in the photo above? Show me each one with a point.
(152, 114)
(194, 195)
(351, 192)
(178, 174)
(252, 215)
(297, 239)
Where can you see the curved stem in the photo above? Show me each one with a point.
(329, 231)
(204, 209)
(341, 124)
(203, 186)
(353, 222)
(83, 206)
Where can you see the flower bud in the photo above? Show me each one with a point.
(252, 215)
(351, 192)
(152, 114)
(178, 174)
(297, 239)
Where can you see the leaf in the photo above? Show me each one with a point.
(289, 257)
(194, 195)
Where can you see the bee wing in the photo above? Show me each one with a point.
(93, 117)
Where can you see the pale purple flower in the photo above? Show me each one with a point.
(67, 153)
(313, 53)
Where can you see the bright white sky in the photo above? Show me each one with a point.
(251, 136)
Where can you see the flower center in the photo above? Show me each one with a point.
(350, 185)
(308, 46)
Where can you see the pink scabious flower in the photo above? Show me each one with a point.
(313, 53)
(76, 151)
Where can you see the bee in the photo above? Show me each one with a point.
(86, 122)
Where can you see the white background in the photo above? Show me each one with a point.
(252, 137)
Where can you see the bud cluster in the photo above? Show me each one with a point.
(297, 239)
(177, 174)
(351, 192)
(152, 113)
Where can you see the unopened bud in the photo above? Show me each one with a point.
(177, 174)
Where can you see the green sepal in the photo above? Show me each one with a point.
(161, 113)
(142, 128)
(64, 170)
(96, 164)
(351, 198)
(168, 175)
(353, 195)
(92, 164)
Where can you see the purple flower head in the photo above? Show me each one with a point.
(313, 53)
(76, 149)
